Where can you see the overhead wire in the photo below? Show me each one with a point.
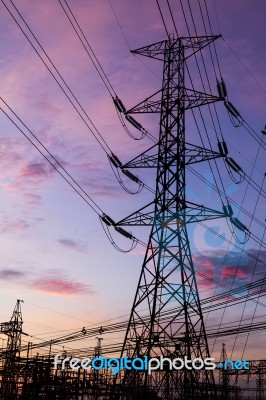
(257, 303)
(49, 157)
(162, 18)
(87, 47)
(127, 42)
(78, 107)
(97, 135)
(98, 62)
(244, 65)
(74, 184)
(89, 51)
(121, 325)
(202, 58)
(172, 17)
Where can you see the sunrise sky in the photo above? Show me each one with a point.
(54, 253)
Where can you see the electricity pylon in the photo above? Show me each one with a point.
(167, 276)
(224, 376)
(13, 330)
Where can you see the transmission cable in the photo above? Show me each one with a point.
(161, 14)
(244, 65)
(91, 202)
(94, 131)
(69, 14)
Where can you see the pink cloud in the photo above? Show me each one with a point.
(233, 272)
(9, 225)
(227, 268)
(33, 199)
(61, 287)
(34, 170)
(207, 267)
(51, 283)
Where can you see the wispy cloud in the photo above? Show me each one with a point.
(73, 244)
(33, 170)
(33, 199)
(61, 287)
(11, 274)
(51, 283)
(10, 225)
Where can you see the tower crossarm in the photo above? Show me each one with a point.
(193, 154)
(191, 98)
(6, 327)
(192, 44)
(192, 213)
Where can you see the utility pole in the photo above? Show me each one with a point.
(168, 277)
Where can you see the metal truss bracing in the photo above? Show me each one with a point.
(191, 98)
(193, 154)
(194, 213)
(224, 376)
(167, 276)
(191, 44)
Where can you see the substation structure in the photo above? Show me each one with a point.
(32, 377)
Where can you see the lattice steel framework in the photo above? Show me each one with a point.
(13, 329)
(168, 275)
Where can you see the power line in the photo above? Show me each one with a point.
(84, 195)
(86, 45)
(245, 66)
(78, 107)
(162, 18)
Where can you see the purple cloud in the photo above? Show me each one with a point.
(8, 225)
(34, 170)
(73, 244)
(10, 274)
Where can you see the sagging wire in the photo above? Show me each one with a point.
(120, 116)
(116, 170)
(117, 166)
(237, 121)
(234, 114)
(106, 223)
(231, 165)
(121, 112)
(236, 223)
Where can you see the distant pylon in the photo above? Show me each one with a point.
(224, 376)
(13, 330)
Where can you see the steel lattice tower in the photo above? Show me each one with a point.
(168, 275)
(13, 329)
(224, 376)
